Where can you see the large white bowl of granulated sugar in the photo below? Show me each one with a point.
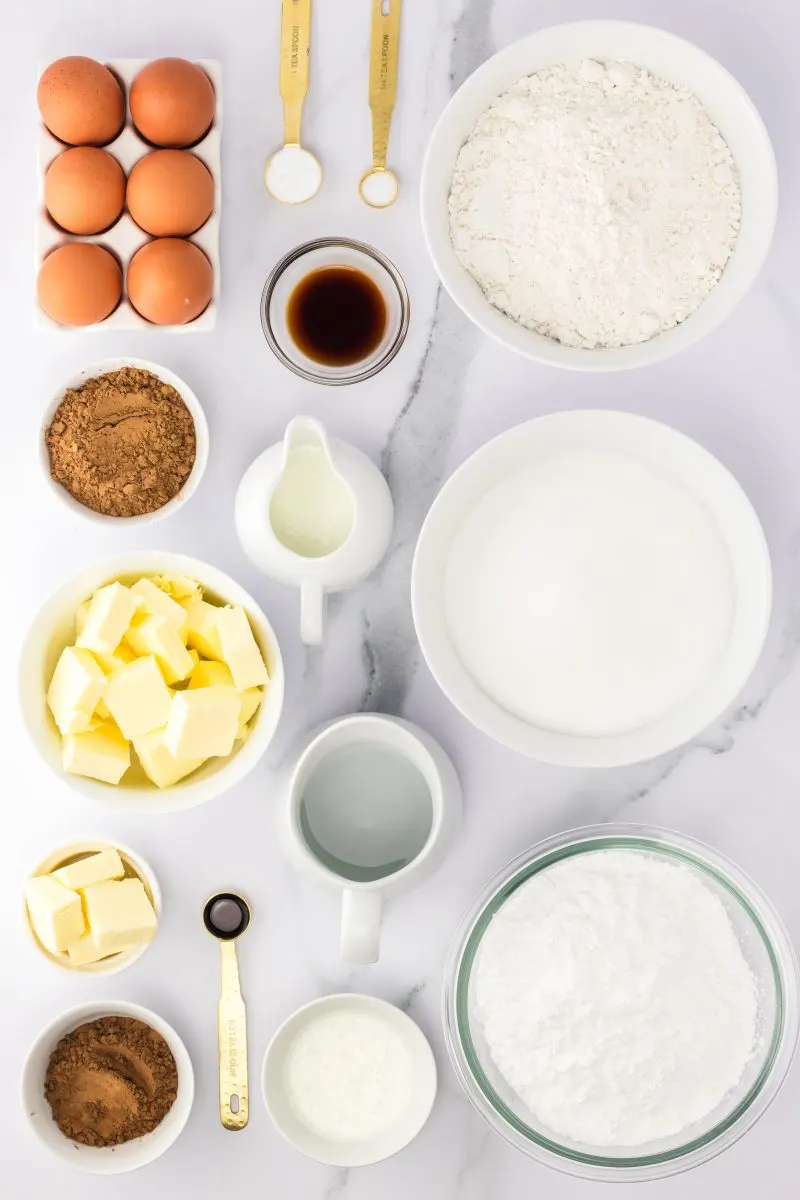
(599, 195)
(591, 589)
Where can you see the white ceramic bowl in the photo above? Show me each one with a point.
(676, 60)
(107, 1160)
(134, 862)
(341, 1153)
(103, 367)
(706, 484)
(54, 628)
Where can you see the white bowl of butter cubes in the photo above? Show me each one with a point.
(151, 682)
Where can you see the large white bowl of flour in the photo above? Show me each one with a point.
(591, 589)
(535, 240)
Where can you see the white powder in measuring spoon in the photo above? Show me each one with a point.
(589, 594)
(615, 999)
(348, 1076)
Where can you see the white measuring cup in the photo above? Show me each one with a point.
(371, 806)
(314, 513)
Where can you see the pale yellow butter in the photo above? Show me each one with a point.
(110, 662)
(76, 687)
(85, 951)
(110, 613)
(159, 764)
(216, 674)
(119, 914)
(105, 864)
(156, 603)
(55, 913)
(251, 701)
(99, 753)
(155, 635)
(201, 628)
(203, 722)
(179, 587)
(240, 649)
(81, 613)
(138, 698)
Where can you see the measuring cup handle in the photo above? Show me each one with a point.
(361, 926)
(312, 613)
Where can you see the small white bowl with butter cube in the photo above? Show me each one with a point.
(92, 907)
(151, 682)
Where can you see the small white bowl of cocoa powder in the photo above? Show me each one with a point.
(123, 440)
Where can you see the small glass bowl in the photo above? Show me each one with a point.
(334, 252)
(765, 945)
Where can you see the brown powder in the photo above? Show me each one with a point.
(110, 1080)
(122, 444)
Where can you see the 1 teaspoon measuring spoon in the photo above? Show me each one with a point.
(379, 186)
(226, 916)
(293, 175)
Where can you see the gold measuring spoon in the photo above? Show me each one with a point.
(292, 174)
(379, 187)
(226, 916)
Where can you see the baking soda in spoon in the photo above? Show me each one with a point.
(293, 175)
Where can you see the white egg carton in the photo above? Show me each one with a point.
(125, 238)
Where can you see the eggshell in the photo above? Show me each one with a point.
(170, 193)
(170, 281)
(84, 190)
(79, 284)
(81, 102)
(172, 102)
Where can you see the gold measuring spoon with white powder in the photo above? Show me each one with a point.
(292, 174)
(379, 187)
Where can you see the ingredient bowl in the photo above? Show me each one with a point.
(105, 367)
(766, 948)
(107, 1160)
(675, 60)
(53, 628)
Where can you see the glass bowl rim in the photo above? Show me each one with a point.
(756, 906)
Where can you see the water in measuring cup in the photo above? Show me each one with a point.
(366, 812)
(312, 508)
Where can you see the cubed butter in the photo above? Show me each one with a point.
(239, 648)
(156, 603)
(154, 635)
(251, 700)
(85, 951)
(216, 674)
(138, 698)
(55, 913)
(201, 628)
(101, 712)
(105, 864)
(119, 914)
(76, 687)
(81, 613)
(110, 613)
(203, 722)
(179, 587)
(99, 753)
(110, 662)
(159, 764)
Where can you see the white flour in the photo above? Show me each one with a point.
(595, 203)
(615, 998)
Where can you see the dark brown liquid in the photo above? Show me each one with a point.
(336, 316)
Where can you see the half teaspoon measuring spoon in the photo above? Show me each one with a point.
(293, 175)
(226, 916)
(379, 186)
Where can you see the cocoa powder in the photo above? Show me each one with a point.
(110, 1081)
(123, 444)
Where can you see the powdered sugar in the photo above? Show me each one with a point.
(595, 203)
(615, 999)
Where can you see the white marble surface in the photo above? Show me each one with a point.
(447, 393)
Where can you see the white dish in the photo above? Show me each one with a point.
(706, 482)
(674, 59)
(53, 628)
(56, 858)
(106, 1160)
(350, 1153)
(76, 380)
(125, 237)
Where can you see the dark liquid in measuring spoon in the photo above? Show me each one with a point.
(336, 316)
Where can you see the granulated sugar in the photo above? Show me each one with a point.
(595, 203)
(615, 999)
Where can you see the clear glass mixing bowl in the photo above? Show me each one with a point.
(765, 944)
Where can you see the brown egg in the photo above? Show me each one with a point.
(81, 102)
(170, 281)
(79, 284)
(172, 102)
(170, 193)
(84, 190)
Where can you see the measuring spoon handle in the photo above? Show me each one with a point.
(295, 47)
(234, 1107)
(384, 59)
